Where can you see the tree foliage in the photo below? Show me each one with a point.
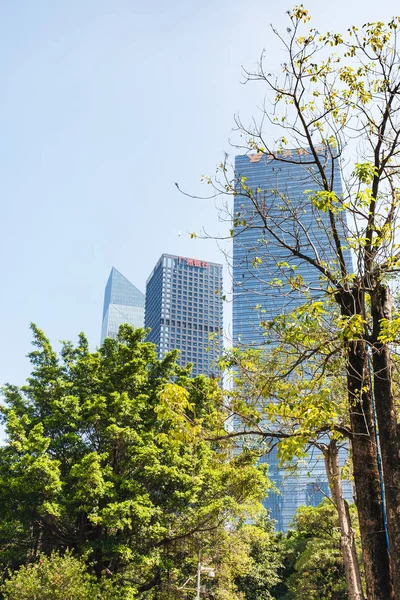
(334, 110)
(106, 455)
(313, 562)
(52, 578)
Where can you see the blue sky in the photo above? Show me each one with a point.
(103, 105)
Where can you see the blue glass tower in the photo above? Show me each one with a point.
(123, 303)
(262, 267)
(184, 310)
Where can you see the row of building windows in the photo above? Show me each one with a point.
(190, 341)
(197, 291)
(211, 315)
(188, 325)
(190, 306)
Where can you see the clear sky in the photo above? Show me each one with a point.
(103, 105)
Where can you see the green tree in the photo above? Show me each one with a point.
(314, 565)
(333, 88)
(293, 405)
(264, 548)
(52, 578)
(106, 455)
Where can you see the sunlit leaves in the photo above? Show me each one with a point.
(389, 330)
(294, 402)
(324, 200)
(174, 407)
(300, 13)
(365, 172)
(90, 480)
(352, 327)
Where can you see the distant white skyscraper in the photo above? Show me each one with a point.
(123, 303)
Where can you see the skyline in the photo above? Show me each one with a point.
(182, 306)
(104, 106)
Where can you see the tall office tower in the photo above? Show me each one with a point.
(184, 310)
(123, 303)
(261, 290)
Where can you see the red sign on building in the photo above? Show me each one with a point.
(193, 262)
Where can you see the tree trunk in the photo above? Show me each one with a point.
(377, 568)
(386, 414)
(366, 477)
(347, 542)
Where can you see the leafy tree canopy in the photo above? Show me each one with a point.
(107, 455)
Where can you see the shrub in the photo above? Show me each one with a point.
(52, 578)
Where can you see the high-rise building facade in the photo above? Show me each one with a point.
(184, 311)
(123, 303)
(261, 289)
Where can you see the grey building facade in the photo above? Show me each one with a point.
(184, 311)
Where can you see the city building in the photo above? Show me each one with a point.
(123, 303)
(261, 290)
(184, 311)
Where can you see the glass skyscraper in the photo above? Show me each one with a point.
(261, 290)
(123, 303)
(184, 311)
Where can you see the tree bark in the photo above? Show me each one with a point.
(377, 567)
(366, 478)
(381, 306)
(347, 542)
